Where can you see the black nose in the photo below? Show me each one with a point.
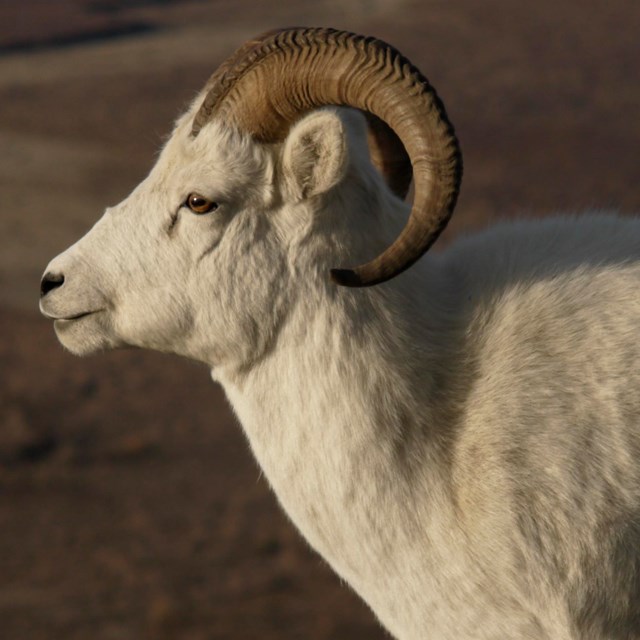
(49, 282)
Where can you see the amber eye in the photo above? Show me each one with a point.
(200, 204)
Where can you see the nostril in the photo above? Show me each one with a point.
(50, 281)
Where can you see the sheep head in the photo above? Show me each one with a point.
(244, 207)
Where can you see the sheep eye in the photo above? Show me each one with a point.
(200, 204)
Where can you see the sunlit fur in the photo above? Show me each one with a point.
(461, 444)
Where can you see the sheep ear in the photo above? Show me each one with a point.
(315, 156)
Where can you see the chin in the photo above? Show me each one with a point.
(83, 336)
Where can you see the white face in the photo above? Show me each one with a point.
(152, 273)
(211, 286)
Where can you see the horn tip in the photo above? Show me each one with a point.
(346, 278)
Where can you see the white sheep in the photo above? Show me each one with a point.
(461, 442)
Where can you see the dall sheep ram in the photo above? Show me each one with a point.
(459, 442)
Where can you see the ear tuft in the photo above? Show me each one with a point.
(315, 157)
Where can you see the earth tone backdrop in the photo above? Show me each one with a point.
(130, 506)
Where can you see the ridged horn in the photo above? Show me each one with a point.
(293, 71)
(231, 63)
(387, 153)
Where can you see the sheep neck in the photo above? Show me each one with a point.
(336, 418)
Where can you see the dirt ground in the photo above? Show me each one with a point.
(130, 505)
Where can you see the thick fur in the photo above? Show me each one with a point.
(461, 444)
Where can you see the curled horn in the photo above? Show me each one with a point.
(258, 93)
(387, 152)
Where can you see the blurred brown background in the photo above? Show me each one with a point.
(130, 506)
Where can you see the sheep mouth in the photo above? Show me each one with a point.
(62, 320)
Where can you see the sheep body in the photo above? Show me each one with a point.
(460, 442)
(487, 485)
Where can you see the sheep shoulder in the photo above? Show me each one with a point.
(545, 460)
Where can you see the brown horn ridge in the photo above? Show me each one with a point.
(386, 150)
(275, 79)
